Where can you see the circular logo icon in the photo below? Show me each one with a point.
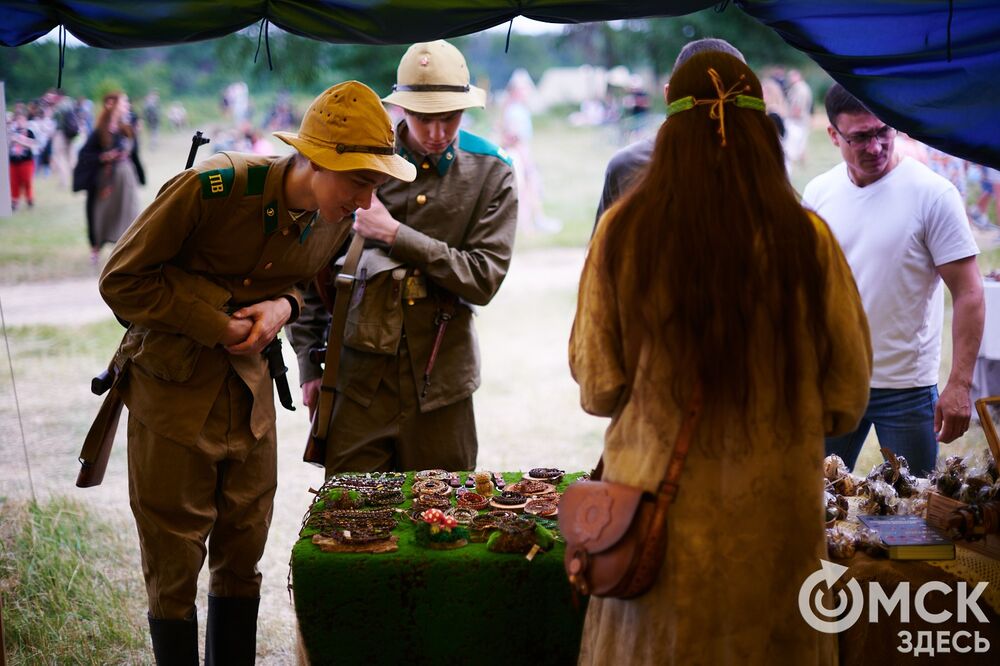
(817, 615)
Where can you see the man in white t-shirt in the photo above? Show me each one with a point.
(904, 230)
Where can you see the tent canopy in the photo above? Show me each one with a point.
(931, 68)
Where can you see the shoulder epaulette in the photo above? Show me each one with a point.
(472, 143)
(216, 183)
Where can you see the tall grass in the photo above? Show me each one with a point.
(65, 600)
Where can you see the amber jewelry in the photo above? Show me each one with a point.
(462, 515)
(509, 498)
(430, 487)
(435, 474)
(432, 502)
(366, 481)
(518, 524)
(541, 507)
(546, 473)
(529, 487)
(384, 497)
(472, 500)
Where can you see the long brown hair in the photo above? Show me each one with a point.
(103, 126)
(720, 247)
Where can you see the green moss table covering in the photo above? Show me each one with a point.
(418, 605)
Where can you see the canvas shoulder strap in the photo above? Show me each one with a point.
(344, 284)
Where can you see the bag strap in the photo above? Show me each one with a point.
(669, 485)
(344, 284)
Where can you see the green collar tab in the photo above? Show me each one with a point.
(271, 217)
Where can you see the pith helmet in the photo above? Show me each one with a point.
(347, 128)
(432, 78)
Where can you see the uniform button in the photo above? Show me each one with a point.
(284, 232)
(268, 265)
(270, 212)
(449, 156)
(421, 199)
(425, 165)
(246, 282)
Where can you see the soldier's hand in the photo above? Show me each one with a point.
(310, 394)
(376, 223)
(237, 331)
(267, 318)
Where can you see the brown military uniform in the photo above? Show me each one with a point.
(201, 421)
(458, 220)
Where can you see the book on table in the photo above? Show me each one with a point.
(910, 538)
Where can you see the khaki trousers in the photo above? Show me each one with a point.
(217, 489)
(392, 434)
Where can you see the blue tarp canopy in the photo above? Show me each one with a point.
(930, 68)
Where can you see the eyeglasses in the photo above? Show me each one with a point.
(883, 135)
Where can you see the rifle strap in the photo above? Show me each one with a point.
(344, 284)
(100, 437)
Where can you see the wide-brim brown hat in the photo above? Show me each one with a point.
(432, 78)
(346, 128)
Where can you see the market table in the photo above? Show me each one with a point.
(417, 605)
(876, 644)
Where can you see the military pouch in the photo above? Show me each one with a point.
(375, 315)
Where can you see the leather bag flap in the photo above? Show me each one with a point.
(595, 515)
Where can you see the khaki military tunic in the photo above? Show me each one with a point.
(217, 237)
(458, 220)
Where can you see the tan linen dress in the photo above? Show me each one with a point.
(747, 526)
(117, 203)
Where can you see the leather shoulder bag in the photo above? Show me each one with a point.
(616, 534)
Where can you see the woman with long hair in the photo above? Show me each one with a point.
(110, 171)
(709, 274)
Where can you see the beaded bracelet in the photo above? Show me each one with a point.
(432, 502)
(462, 515)
(548, 473)
(472, 500)
(432, 474)
(384, 497)
(430, 487)
(509, 498)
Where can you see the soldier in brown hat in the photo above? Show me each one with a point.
(207, 277)
(437, 247)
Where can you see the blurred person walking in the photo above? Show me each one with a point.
(21, 144)
(109, 170)
(709, 277)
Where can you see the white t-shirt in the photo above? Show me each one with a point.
(894, 233)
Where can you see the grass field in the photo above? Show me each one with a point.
(527, 410)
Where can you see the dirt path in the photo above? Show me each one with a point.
(75, 301)
(527, 413)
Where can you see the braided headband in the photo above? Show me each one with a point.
(429, 87)
(375, 150)
(717, 111)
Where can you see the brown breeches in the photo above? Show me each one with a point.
(218, 488)
(393, 434)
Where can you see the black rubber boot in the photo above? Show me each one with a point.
(231, 638)
(175, 642)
